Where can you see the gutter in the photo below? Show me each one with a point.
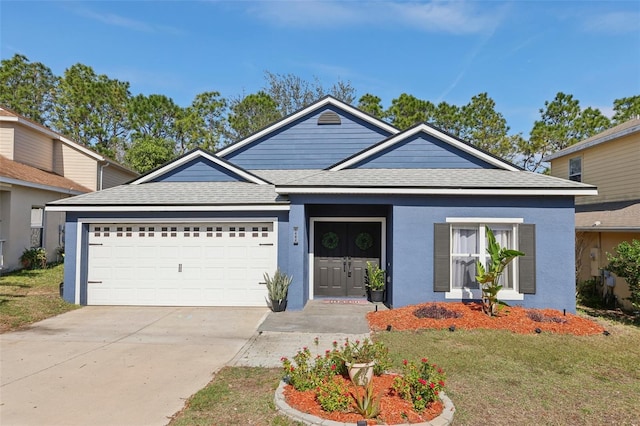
(103, 166)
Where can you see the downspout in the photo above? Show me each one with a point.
(101, 176)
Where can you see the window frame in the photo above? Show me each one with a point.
(573, 176)
(480, 223)
(39, 226)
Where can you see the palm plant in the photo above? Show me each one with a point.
(489, 279)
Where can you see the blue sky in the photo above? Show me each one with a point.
(521, 52)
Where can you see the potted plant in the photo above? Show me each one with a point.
(360, 359)
(34, 258)
(277, 288)
(374, 281)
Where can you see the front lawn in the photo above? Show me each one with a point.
(28, 296)
(494, 377)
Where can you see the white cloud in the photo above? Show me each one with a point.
(614, 22)
(116, 20)
(457, 17)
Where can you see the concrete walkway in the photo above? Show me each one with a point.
(136, 366)
(284, 333)
(117, 365)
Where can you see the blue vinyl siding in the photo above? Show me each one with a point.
(304, 144)
(199, 170)
(423, 151)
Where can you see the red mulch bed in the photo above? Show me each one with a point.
(511, 318)
(393, 409)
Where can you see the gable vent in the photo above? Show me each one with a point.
(329, 117)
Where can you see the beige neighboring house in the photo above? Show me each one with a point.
(611, 161)
(38, 165)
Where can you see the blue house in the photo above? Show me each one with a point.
(319, 194)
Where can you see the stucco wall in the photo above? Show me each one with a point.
(413, 246)
(410, 243)
(601, 243)
(16, 223)
(409, 246)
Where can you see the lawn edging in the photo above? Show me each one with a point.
(443, 419)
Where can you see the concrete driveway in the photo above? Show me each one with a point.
(116, 365)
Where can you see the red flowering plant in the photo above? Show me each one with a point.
(420, 384)
(333, 395)
(305, 372)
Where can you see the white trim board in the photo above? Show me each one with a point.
(134, 220)
(434, 191)
(476, 220)
(58, 189)
(169, 208)
(312, 221)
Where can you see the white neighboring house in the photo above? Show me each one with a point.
(38, 165)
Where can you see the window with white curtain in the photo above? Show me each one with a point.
(37, 226)
(469, 244)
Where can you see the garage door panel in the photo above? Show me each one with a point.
(219, 264)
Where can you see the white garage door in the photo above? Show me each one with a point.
(194, 264)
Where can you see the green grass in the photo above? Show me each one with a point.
(236, 396)
(494, 377)
(30, 296)
(497, 377)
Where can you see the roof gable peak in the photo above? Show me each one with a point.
(428, 130)
(327, 100)
(193, 155)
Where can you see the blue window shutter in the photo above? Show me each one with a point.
(441, 256)
(527, 263)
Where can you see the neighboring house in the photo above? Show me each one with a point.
(318, 194)
(610, 161)
(37, 166)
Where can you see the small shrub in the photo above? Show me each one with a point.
(333, 395)
(34, 258)
(306, 372)
(625, 263)
(436, 312)
(587, 293)
(538, 316)
(419, 384)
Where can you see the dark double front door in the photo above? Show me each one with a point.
(341, 253)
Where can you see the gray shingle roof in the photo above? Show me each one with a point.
(180, 193)
(242, 193)
(626, 128)
(609, 216)
(431, 178)
(279, 177)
